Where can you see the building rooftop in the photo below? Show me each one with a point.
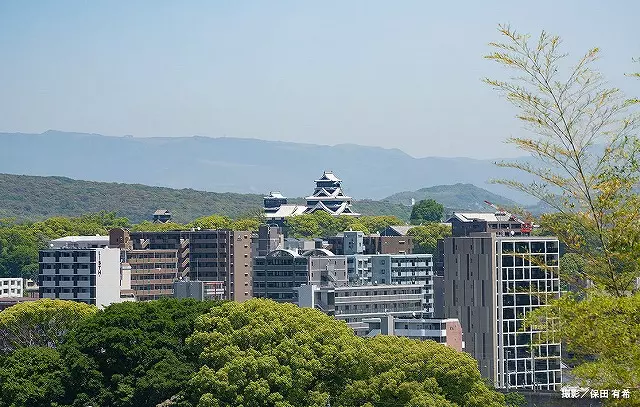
(82, 239)
(283, 253)
(328, 176)
(160, 212)
(401, 230)
(318, 252)
(286, 210)
(275, 194)
(481, 216)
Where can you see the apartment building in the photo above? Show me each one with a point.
(278, 274)
(491, 283)
(222, 256)
(83, 269)
(11, 287)
(390, 269)
(268, 239)
(445, 331)
(355, 242)
(356, 304)
(152, 272)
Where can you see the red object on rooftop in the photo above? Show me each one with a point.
(526, 227)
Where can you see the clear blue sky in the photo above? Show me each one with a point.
(397, 74)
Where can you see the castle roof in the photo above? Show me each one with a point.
(328, 176)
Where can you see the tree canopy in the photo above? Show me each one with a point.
(185, 353)
(321, 224)
(426, 236)
(427, 210)
(260, 353)
(42, 323)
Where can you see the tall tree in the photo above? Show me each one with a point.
(43, 323)
(427, 210)
(32, 377)
(425, 237)
(133, 353)
(585, 165)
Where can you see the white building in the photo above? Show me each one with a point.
(445, 331)
(356, 304)
(83, 269)
(11, 287)
(390, 268)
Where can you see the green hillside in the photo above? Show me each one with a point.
(36, 198)
(457, 197)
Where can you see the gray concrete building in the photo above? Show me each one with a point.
(354, 242)
(268, 239)
(278, 274)
(490, 283)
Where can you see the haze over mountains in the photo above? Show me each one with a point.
(241, 165)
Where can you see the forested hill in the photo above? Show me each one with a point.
(35, 198)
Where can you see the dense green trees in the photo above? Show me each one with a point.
(426, 236)
(32, 377)
(41, 323)
(427, 210)
(30, 198)
(134, 354)
(260, 353)
(186, 353)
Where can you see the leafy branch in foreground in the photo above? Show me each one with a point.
(585, 165)
(585, 156)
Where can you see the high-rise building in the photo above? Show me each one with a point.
(390, 269)
(222, 256)
(400, 285)
(83, 269)
(268, 239)
(152, 272)
(491, 283)
(279, 273)
(357, 304)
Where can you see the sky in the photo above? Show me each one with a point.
(395, 74)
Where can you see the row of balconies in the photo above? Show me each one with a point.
(69, 284)
(380, 298)
(65, 272)
(68, 296)
(67, 260)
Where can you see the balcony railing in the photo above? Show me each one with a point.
(380, 298)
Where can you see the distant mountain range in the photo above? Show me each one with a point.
(241, 165)
(34, 198)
